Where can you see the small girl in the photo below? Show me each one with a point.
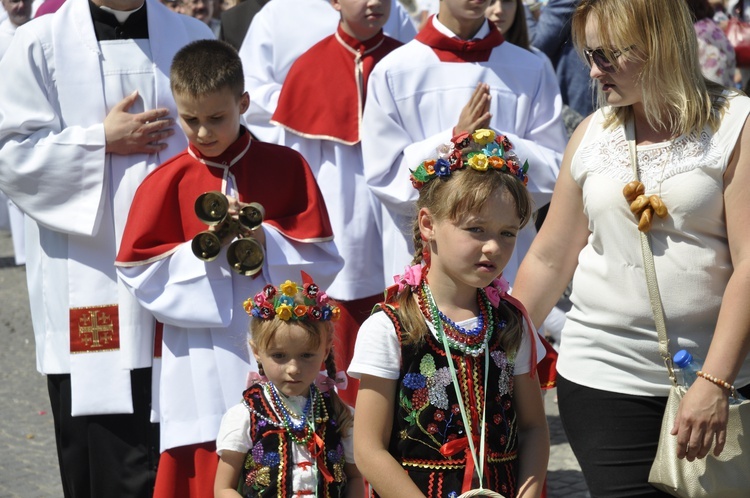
(291, 436)
(473, 418)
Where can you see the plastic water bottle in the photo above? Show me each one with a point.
(688, 366)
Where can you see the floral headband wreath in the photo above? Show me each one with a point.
(482, 150)
(292, 301)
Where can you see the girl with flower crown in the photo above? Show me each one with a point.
(292, 434)
(447, 365)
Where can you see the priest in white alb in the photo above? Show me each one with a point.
(86, 115)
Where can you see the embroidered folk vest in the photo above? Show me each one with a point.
(428, 437)
(268, 466)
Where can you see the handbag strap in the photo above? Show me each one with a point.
(649, 268)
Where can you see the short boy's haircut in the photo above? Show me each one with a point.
(206, 66)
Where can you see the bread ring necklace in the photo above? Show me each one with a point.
(641, 205)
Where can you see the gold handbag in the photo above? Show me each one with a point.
(725, 476)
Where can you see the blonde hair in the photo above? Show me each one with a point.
(262, 333)
(659, 34)
(464, 191)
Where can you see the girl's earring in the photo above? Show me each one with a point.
(425, 251)
(260, 370)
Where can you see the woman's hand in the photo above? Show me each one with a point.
(701, 421)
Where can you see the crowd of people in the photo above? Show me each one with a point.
(307, 247)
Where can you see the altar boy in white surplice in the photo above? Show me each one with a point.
(457, 75)
(86, 115)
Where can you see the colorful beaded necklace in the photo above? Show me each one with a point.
(300, 432)
(472, 342)
(457, 329)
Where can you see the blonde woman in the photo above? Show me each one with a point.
(692, 152)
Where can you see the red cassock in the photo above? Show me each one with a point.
(162, 215)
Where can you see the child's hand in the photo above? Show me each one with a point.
(235, 206)
(257, 234)
(476, 113)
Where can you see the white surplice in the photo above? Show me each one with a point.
(205, 356)
(413, 103)
(355, 213)
(7, 30)
(53, 166)
(281, 32)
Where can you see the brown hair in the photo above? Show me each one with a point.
(701, 9)
(448, 198)
(518, 33)
(262, 333)
(204, 67)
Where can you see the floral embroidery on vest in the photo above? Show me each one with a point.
(428, 436)
(268, 465)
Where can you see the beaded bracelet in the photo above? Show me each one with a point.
(719, 382)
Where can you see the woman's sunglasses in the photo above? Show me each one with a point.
(598, 57)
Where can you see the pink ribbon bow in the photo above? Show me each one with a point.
(325, 383)
(498, 288)
(412, 277)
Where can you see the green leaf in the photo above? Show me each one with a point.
(421, 174)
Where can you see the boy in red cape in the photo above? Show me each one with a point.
(204, 352)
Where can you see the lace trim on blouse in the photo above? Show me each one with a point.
(607, 155)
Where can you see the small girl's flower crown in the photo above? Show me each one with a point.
(482, 150)
(292, 301)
